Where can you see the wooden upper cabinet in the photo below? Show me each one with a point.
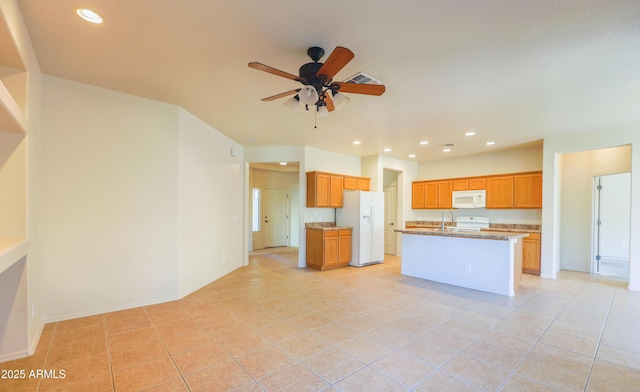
(431, 195)
(477, 183)
(324, 190)
(499, 192)
(444, 194)
(351, 183)
(527, 190)
(461, 184)
(335, 192)
(357, 183)
(516, 190)
(418, 195)
(364, 184)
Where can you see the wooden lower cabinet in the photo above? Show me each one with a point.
(328, 249)
(531, 254)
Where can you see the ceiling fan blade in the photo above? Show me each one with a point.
(336, 61)
(273, 71)
(274, 97)
(368, 89)
(328, 100)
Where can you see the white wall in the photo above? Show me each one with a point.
(330, 162)
(499, 162)
(110, 234)
(576, 201)
(210, 190)
(552, 221)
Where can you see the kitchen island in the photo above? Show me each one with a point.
(482, 260)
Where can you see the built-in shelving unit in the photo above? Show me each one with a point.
(14, 243)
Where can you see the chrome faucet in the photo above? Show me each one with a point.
(452, 219)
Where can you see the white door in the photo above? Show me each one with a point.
(275, 219)
(390, 216)
(613, 211)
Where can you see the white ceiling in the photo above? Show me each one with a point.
(514, 71)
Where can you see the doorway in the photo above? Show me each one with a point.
(612, 211)
(390, 189)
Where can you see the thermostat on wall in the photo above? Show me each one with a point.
(234, 152)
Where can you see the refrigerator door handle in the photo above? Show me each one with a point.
(373, 217)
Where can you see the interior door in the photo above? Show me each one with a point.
(275, 222)
(390, 219)
(613, 211)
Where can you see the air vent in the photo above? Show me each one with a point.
(362, 78)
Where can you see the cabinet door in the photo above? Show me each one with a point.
(531, 254)
(364, 184)
(418, 195)
(444, 194)
(336, 191)
(476, 183)
(431, 195)
(500, 192)
(331, 246)
(460, 184)
(323, 190)
(527, 190)
(351, 183)
(344, 247)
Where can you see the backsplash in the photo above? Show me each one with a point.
(495, 226)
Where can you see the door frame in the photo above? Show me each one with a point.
(595, 248)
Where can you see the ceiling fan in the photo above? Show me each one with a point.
(319, 89)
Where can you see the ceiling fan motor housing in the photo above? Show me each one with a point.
(309, 72)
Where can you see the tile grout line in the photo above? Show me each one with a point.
(604, 326)
(153, 325)
(573, 296)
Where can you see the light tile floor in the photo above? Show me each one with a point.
(273, 327)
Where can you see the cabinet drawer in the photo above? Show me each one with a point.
(533, 236)
(331, 233)
(344, 232)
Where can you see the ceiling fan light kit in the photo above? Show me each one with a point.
(318, 89)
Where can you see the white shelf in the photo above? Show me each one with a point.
(11, 117)
(12, 249)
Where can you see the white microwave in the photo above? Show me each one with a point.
(469, 199)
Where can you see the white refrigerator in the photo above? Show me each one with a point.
(364, 211)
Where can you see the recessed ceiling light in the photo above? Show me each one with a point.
(412, 155)
(469, 133)
(424, 142)
(283, 163)
(490, 143)
(387, 150)
(357, 142)
(89, 15)
(446, 150)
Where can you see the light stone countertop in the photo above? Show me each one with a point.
(452, 232)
